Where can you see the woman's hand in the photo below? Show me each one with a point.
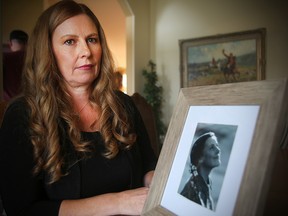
(135, 199)
(131, 202)
(148, 178)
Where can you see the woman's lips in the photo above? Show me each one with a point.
(85, 67)
(217, 156)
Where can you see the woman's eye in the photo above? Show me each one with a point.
(92, 40)
(213, 147)
(69, 42)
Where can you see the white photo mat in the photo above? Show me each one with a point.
(245, 117)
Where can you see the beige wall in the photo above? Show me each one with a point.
(142, 51)
(184, 19)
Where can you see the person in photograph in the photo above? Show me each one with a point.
(204, 156)
(71, 144)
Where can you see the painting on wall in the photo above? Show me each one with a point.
(223, 58)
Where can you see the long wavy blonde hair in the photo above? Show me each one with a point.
(49, 100)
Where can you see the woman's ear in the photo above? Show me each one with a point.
(200, 161)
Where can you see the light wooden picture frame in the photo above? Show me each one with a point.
(262, 110)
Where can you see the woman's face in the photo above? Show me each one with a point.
(77, 50)
(211, 153)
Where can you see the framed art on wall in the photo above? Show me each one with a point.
(223, 58)
(246, 130)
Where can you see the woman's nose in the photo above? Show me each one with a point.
(84, 50)
(217, 149)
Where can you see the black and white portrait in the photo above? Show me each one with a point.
(206, 163)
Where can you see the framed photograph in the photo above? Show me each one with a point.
(219, 150)
(223, 58)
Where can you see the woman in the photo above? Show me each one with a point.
(71, 145)
(204, 156)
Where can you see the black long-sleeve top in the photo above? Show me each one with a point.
(23, 193)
